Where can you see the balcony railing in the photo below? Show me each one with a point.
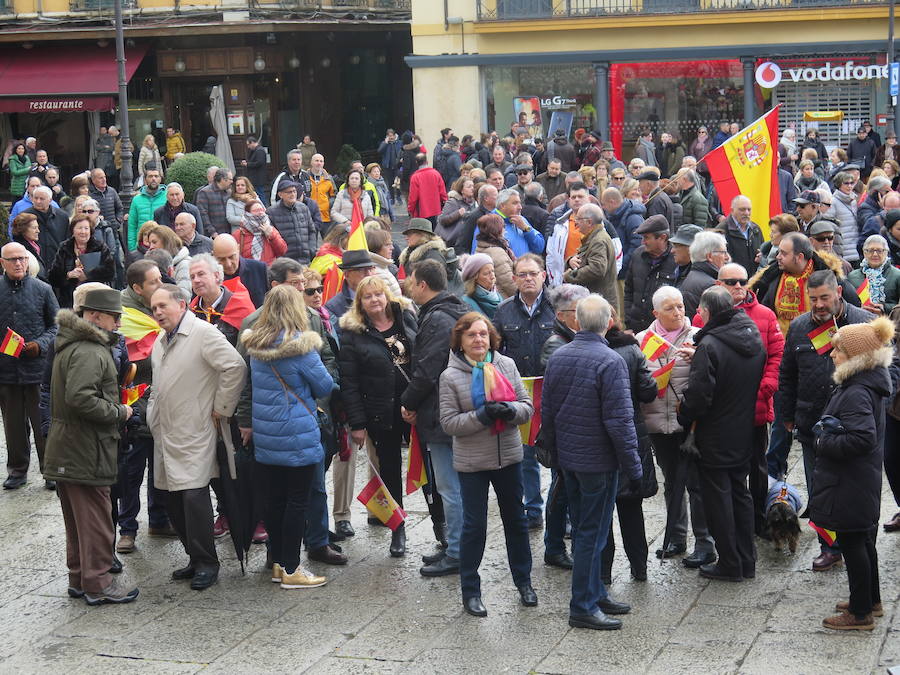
(98, 6)
(403, 5)
(510, 10)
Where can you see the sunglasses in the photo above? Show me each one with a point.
(825, 237)
(522, 173)
(312, 291)
(89, 211)
(734, 282)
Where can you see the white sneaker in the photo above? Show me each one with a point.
(301, 578)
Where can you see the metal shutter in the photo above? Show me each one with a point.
(854, 97)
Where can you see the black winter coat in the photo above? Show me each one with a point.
(659, 203)
(523, 336)
(742, 249)
(29, 308)
(429, 359)
(163, 216)
(847, 480)
(722, 388)
(645, 276)
(643, 390)
(701, 276)
(296, 227)
(804, 379)
(54, 225)
(64, 263)
(367, 371)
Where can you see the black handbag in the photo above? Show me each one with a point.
(545, 450)
(323, 419)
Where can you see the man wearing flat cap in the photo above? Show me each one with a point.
(292, 219)
(83, 442)
(652, 266)
(656, 201)
(807, 209)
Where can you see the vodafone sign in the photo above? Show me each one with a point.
(770, 74)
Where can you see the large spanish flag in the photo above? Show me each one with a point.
(380, 503)
(140, 331)
(529, 431)
(747, 164)
(357, 240)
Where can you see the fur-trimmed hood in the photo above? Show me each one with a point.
(868, 361)
(302, 343)
(72, 328)
(355, 323)
(821, 260)
(413, 254)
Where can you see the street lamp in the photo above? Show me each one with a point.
(126, 176)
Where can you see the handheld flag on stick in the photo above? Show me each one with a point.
(529, 431)
(380, 503)
(416, 475)
(662, 376)
(653, 346)
(12, 343)
(828, 536)
(130, 395)
(140, 333)
(821, 336)
(357, 240)
(865, 297)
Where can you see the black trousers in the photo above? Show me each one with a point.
(861, 559)
(634, 538)
(390, 458)
(892, 455)
(190, 512)
(729, 513)
(19, 404)
(287, 497)
(759, 477)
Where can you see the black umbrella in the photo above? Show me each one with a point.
(688, 453)
(235, 488)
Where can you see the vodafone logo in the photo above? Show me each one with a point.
(768, 75)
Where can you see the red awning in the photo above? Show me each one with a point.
(63, 79)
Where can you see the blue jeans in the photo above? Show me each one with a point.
(555, 531)
(779, 444)
(531, 479)
(448, 486)
(131, 476)
(592, 497)
(507, 484)
(316, 533)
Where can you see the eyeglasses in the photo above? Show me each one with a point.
(824, 237)
(615, 177)
(734, 282)
(522, 173)
(720, 252)
(528, 275)
(875, 251)
(89, 211)
(313, 291)
(849, 182)
(299, 284)
(17, 260)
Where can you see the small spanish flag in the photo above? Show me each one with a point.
(821, 336)
(529, 431)
(828, 536)
(12, 343)
(140, 331)
(378, 500)
(863, 292)
(130, 395)
(662, 376)
(653, 346)
(416, 475)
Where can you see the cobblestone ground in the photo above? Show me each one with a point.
(378, 614)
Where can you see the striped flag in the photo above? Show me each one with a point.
(130, 395)
(654, 346)
(140, 331)
(821, 336)
(357, 240)
(12, 343)
(529, 431)
(378, 500)
(865, 297)
(416, 476)
(828, 536)
(662, 376)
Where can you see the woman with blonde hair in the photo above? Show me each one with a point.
(589, 178)
(288, 376)
(166, 239)
(630, 189)
(149, 158)
(377, 337)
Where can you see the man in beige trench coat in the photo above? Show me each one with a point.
(197, 379)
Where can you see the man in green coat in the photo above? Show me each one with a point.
(144, 203)
(83, 442)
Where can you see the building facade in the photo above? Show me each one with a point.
(330, 69)
(668, 65)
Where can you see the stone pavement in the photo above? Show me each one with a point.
(378, 615)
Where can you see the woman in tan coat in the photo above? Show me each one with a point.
(490, 241)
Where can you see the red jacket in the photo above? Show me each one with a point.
(427, 193)
(273, 246)
(773, 340)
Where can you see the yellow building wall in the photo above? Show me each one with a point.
(446, 97)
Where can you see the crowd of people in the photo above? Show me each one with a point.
(618, 308)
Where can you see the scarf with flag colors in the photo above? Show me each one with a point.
(821, 336)
(416, 476)
(529, 431)
(12, 343)
(140, 331)
(378, 500)
(662, 376)
(747, 164)
(865, 296)
(653, 346)
(828, 536)
(131, 394)
(239, 306)
(489, 384)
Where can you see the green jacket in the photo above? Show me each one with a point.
(18, 170)
(695, 207)
(891, 285)
(84, 389)
(142, 208)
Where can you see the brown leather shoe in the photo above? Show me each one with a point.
(844, 606)
(327, 555)
(826, 560)
(893, 525)
(846, 621)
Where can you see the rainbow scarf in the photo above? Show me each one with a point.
(489, 384)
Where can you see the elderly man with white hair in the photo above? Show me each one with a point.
(522, 237)
(709, 252)
(594, 263)
(744, 237)
(175, 204)
(53, 221)
(186, 228)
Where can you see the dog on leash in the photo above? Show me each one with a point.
(783, 503)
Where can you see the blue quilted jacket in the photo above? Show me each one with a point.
(285, 432)
(586, 407)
